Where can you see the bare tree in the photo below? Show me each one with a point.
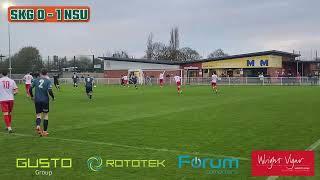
(188, 54)
(120, 54)
(150, 47)
(217, 53)
(160, 51)
(174, 38)
(174, 43)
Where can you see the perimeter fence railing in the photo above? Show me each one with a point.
(279, 81)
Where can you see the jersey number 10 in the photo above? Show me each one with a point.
(6, 84)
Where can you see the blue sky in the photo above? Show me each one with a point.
(237, 26)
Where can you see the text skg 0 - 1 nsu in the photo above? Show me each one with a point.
(49, 14)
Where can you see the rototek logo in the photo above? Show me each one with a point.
(96, 163)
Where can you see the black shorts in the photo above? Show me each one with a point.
(88, 89)
(42, 107)
(56, 82)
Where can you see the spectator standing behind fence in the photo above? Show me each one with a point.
(283, 77)
(298, 78)
(261, 78)
(268, 78)
(290, 79)
(310, 78)
(314, 79)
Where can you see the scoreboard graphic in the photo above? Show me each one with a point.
(49, 14)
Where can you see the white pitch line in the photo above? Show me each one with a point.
(314, 145)
(132, 147)
(310, 148)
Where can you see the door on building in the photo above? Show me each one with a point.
(192, 73)
(230, 73)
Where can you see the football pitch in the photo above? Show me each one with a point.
(150, 123)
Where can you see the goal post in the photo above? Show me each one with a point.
(152, 75)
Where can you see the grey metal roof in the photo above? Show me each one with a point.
(272, 52)
(142, 60)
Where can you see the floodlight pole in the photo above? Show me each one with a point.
(297, 68)
(181, 72)
(74, 63)
(1, 56)
(93, 69)
(9, 42)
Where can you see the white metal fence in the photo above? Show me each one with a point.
(280, 81)
(256, 81)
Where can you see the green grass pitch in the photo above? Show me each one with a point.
(154, 123)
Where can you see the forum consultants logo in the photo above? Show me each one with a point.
(212, 165)
(96, 163)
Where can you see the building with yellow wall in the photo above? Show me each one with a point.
(270, 63)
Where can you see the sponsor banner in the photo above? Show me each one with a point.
(246, 62)
(48, 14)
(96, 163)
(213, 166)
(44, 166)
(282, 163)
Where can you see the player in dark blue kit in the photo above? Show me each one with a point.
(134, 80)
(75, 79)
(89, 82)
(56, 81)
(43, 88)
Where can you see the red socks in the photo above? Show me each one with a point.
(27, 91)
(7, 120)
(10, 118)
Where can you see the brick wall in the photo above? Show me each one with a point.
(274, 72)
(154, 74)
(115, 73)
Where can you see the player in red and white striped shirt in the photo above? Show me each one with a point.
(28, 81)
(125, 81)
(214, 79)
(8, 88)
(161, 79)
(177, 78)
